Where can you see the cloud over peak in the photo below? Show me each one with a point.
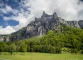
(29, 9)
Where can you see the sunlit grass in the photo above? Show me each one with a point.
(40, 56)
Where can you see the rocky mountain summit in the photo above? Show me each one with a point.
(40, 26)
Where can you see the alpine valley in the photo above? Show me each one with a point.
(48, 34)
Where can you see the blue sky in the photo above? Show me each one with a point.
(16, 14)
(12, 15)
(13, 4)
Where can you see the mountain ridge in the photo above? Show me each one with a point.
(41, 26)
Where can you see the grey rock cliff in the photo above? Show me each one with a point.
(1, 38)
(47, 22)
(73, 23)
(80, 23)
(4, 38)
(42, 25)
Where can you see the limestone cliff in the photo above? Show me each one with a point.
(40, 26)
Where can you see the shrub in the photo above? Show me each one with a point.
(82, 52)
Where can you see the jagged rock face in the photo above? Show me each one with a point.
(42, 25)
(80, 23)
(4, 38)
(73, 23)
(1, 38)
(47, 22)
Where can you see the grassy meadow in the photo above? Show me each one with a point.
(40, 56)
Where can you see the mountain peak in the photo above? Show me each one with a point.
(44, 13)
(55, 15)
(42, 25)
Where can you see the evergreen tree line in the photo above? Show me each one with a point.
(65, 39)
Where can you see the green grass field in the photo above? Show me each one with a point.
(40, 56)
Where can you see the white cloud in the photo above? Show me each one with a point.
(6, 30)
(23, 20)
(6, 10)
(66, 9)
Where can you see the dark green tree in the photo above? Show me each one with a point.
(11, 48)
(23, 47)
(2, 47)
